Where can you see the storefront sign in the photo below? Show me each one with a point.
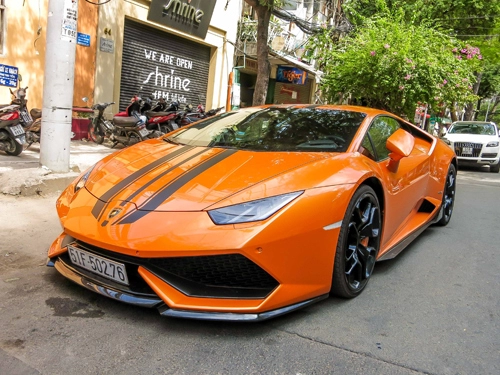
(8, 75)
(190, 16)
(83, 39)
(167, 78)
(107, 45)
(287, 74)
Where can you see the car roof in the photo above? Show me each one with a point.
(344, 107)
(474, 122)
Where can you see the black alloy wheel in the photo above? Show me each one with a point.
(358, 244)
(95, 131)
(450, 189)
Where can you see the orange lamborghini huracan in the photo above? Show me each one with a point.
(253, 213)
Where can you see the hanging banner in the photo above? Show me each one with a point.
(287, 74)
(69, 20)
(190, 16)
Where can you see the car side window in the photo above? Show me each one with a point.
(380, 130)
(367, 148)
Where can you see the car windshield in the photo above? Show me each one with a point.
(275, 129)
(471, 128)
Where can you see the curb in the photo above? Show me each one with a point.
(31, 181)
(23, 176)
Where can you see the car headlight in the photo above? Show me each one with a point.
(492, 144)
(447, 141)
(83, 180)
(251, 211)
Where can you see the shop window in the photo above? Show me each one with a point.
(3, 27)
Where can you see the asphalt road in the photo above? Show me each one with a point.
(432, 310)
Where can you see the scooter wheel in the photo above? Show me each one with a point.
(93, 133)
(14, 148)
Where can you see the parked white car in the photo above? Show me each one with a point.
(475, 143)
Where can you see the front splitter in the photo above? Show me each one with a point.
(132, 299)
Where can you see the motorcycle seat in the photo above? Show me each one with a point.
(8, 107)
(157, 114)
(125, 121)
(36, 113)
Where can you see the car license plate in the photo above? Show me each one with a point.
(143, 132)
(17, 130)
(467, 150)
(104, 267)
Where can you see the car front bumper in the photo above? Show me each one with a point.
(152, 301)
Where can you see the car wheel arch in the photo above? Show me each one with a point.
(376, 185)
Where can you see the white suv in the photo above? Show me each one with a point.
(475, 143)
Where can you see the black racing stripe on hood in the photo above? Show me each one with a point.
(170, 189)
(103, 200)
(149, 183)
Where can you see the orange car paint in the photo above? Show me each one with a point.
(180, 223)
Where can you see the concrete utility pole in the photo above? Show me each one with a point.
(58, 85)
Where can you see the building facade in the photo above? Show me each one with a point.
(23, 28)
(175, 49)
(293, 79)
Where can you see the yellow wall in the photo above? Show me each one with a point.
(85, 56)
(20, 50)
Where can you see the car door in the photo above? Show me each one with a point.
(404, 187)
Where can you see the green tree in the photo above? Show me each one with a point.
(390, 64)
(475, 22)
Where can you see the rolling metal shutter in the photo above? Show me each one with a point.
(163, 64)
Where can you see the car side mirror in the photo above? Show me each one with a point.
(400, 144)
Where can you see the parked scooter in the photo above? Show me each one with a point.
(31, 121)
(12, 134)
(188, 116)
(162, 118)
(126, 130)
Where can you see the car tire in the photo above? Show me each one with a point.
(449, 193)
(14, 148)
(495, 168)
(166, 128)
(358, 244)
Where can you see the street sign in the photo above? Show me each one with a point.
(83, 39)
(107, 45)
(9, 75)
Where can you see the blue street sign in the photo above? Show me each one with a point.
(83, 39)
(8, 75)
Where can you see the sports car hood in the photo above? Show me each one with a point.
(159, 176)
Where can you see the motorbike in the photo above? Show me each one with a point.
(12, 134)
(188, 116)
(31, 121)
(162, 117)
(126, 130)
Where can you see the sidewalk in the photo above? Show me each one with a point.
(22, 175)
